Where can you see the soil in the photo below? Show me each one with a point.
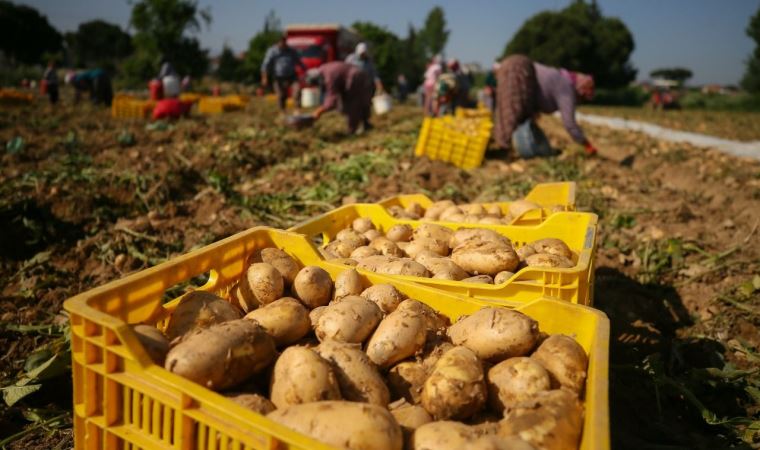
(679, 236)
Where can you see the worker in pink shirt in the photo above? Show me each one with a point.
(348, 87)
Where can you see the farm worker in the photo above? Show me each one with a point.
(50, 77)
(433, 71)
(171, 108)
(402, 87)
(464, 82)
(96, 82)
(351, 88)
(279, 67)
(166, 69)
(361, 59)
(525, 88)
(445, 94)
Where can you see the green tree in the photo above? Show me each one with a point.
(258, 46)
(412, 58)
(578, 38)
(163, 29)
(679, 74)
(229, 66)
(751, 79)
(98, 42)
(385, 49)
(26, 36)
(434, 34)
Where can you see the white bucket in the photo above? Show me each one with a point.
(171, 86)
(382, 103)
(309, 97)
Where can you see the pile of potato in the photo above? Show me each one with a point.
(433, 251)
(364, 367)
(448, 211)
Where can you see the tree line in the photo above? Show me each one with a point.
(577, 37)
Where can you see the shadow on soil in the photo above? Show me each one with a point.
(655, 376)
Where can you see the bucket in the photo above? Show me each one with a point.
(172, 86)
(156, 90)
(309, 97)
(381, 103)
(530, 141)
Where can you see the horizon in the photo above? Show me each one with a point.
(705, 36)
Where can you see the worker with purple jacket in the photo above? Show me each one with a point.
(525, 88)
(348, 87)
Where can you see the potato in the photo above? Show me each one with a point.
(386, 246)
(441, 248)
(372, 263)
(485, 258)
(352, 320)
(449, 435)
(515, 380)
(457, 218)
(434, 349)
(400, 335)
(385, 296)
(222, 355)
(494, 210)
(262, 282)
(548, 260)
(553, 247)
(284, 263)
(286, 320)
(434, 211)
(473, 209)
(525, 251)
(479, 279)
(434, 322)
(406, 379)
(364, 251)
(443, 268)
(519, 207)
(449, 212)
(315, 314)
(433, 231)
(410, 417)
(300, 375)
(346, 261)
(358, 426)
(495, 334)
(456, 387)
(463, 235)
(254, 402)
(347, 283)
(153, 340)
(362, 224)
(565, 360)
(415, 209)
(236, 297)
(502, 277)
(372, 234)
(404, 266)
(199, 309)
(550, 420)
(490, 220)
(352, 236)
(358, 378)
(313, 286)
(399, 233)
(342, 249)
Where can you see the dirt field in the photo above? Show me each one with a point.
(87, 199)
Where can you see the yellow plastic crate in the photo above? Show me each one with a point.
(125, 107)
(123, 400)
(190, 97)
(468, 113)
(578, 230)
(550, 196)
(462, 142)
(218, 105)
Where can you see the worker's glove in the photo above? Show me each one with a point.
(590, 149)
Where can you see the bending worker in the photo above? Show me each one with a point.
(351, 88)
(361, 59)
(96, 82)
(525, 88)
(280, 63)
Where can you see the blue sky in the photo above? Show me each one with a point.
(705, 35)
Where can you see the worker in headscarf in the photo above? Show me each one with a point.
(525, 88)
(433, 71)
(361, 59)
(96, 82)
(347, 86)
(279, 68)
